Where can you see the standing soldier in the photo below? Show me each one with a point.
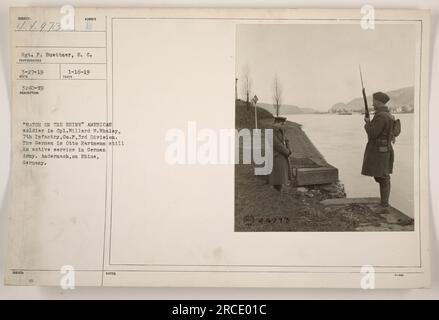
(280, 173)
(379, 156)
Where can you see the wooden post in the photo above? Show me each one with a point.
(256, 117)
(254, 101)
(236, 88)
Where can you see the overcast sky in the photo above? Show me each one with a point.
(318, 64)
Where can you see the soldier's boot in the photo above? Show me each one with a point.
(385, 193)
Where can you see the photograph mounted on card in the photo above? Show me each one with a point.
(219, 147)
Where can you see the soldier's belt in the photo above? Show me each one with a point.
(381, 143)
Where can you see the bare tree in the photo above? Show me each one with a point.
(247, 84)
(277, 95)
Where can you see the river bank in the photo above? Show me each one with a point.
(324, 207)
(259, 207)
(342, 140)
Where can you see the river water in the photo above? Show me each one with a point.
(341, 139)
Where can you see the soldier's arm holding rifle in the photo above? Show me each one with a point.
(375, 127)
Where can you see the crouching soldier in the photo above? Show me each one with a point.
(379, 156)
(280, 174)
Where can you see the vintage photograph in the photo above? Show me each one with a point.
(196, 147)
(340, 101)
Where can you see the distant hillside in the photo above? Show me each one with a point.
(287, 109)
(245, 116)
(399, 98)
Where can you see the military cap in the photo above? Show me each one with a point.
(381, 96)
(279, 119)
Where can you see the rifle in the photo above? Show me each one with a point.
(366, 109)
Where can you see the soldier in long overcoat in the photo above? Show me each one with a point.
(280, 174)
(379, 154)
